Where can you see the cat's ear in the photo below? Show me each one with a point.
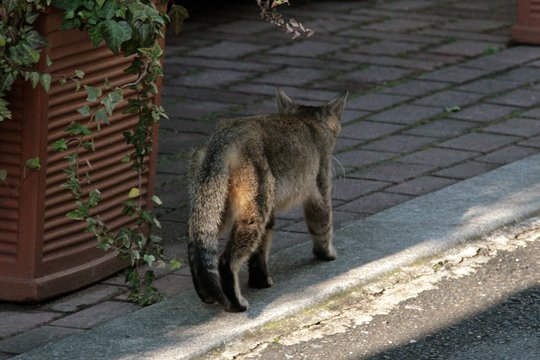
(285, 104)
(336, 106)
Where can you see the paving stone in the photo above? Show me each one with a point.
(243, 27)
(407, 5)
(516, 126)
(227, 49)
(466, 170)
(377, 74)
(445, 34)
(178, 64)
(35, 338)
(327, 25)
(442, 128)
(358, 158)
(307, 48)
(479, 142)
(398, 25)
(531, 142)
(454, 74)
(347, 189)
(307, 62)
(488, 86)
(399, 143)
(520, 54)
(285, 239)
(170, 285)
(211, 78)
(449, 98)
(352, 115)
(173, 142)
(439, 59)
(508, 154)
(375, 102)
(395, 172)
(438, 157)
(86, 298)
(16, 321)
(421, 185)
(368, 130)
(533, 113)
(406, 114)
(523, 75)
(377, 60)
(344, 143)
(373, 35)
(463, 47)
(483, 112)
(172, 94)
(495, 62)
(393, 48)
(292, 76)
(520, 97)
(304, 95)
(476, 25)
(416, 88)
(374, 203)
(95, 315)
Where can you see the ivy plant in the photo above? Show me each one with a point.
(133, 28)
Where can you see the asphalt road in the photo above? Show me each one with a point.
(490, 310)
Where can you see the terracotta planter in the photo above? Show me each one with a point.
(527, 27)
(42, 252)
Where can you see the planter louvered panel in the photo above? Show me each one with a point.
(42, 252)
(527, 27)
(11, 146)
(535, 7)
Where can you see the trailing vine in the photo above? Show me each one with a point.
(133, 27)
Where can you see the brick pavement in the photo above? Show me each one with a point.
(436, 97)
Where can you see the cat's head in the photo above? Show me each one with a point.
(329, 114)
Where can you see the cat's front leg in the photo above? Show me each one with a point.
(318, 216)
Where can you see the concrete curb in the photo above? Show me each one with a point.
(183, 327)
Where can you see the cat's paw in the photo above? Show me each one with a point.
(260, 282)
(240, 305)
(328, 254)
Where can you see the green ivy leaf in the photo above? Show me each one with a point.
(101, 115)
(115, 33)
(79, 214)
(177, 14)
(157, 200)
(33, 163)
(112, 100)
(60, 145)
(3, 175)
(175, 264)
(93, 93)
(134, 192)
(93, 198)
(79, 74)
(84, 111)
(76, 129)
(45, 80)
(149, 259)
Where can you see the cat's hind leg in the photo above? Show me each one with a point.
(258, 262)
(249, 202)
